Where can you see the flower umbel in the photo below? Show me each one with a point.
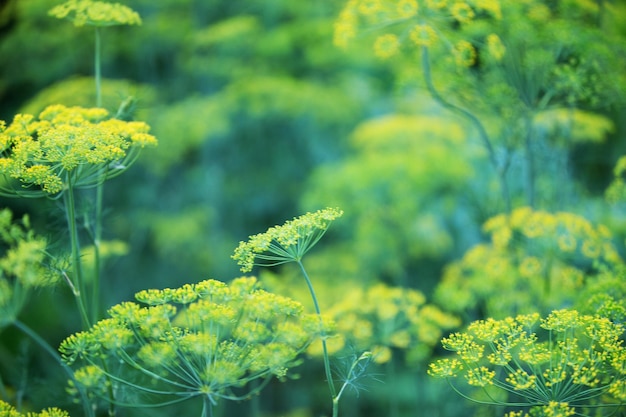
(226, 337)
(286, 243)
(67, 146)
(96, 13)
(557, 366)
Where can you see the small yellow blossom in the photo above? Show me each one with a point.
(369, 7)
(495, 47)
(436, 4)
(462, 12)
(464, 54)
(386, 46)
(407, 8)
(423, 35)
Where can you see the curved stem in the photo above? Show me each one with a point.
(482, 132)
(329, 375)
(45, 346)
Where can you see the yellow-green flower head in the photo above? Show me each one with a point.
(199, 339)
(556, 371)
(96, 13)
(67, 146)
(386, 46)
(7, 410)
(462, 12)
(423, 35)
(464, 54)
(286, 243)
(495, 47)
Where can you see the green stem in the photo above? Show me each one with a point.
(97, 239)
(530, 160)
(482, 132)
(329, 375)
(45, 346)
(97, 70)
(78, 281)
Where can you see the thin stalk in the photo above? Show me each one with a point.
(95, 295)
(97, 70)
(530, 161)
(482, 132)
(79, 284)
(329, 375)
(97, 239)
(207, 407)
(89, 412)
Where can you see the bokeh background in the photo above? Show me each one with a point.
(260, 118)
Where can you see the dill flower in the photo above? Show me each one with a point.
(547, 259)
(464, 54)
(286, 243)
(24, 264)
(423, 35)
(7, 410)
(369, 7)
(67, 147)
(206, 340)
(386, 46)
(462, 12)
(345, 25)
(495, 47)
(95, 13)
(407, 8)
(571, 362)
(436, 4)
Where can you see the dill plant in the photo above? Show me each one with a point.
(535, 260)
(500, 65)
(61, 151)
(207, 340)
(564, 364)
(289, 243)
(7, 410)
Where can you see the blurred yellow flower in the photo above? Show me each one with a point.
(386, 46)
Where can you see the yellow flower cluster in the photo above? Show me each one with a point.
(616, 192)
(96, 13)
(24, 264)
(423, 21)
(7, 410)
(557, 364)
(286, 243)
(200, 339)
(535, 260)
(382, 319)
(67, 146)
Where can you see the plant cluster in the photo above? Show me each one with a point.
(67, 147)
(564, 364)
(206, 340)
(536, 261)
(7, 410)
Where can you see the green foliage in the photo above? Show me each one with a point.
(569, 364)
(257, 117)
(397, 187)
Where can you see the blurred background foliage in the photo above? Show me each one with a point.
(260, 118)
